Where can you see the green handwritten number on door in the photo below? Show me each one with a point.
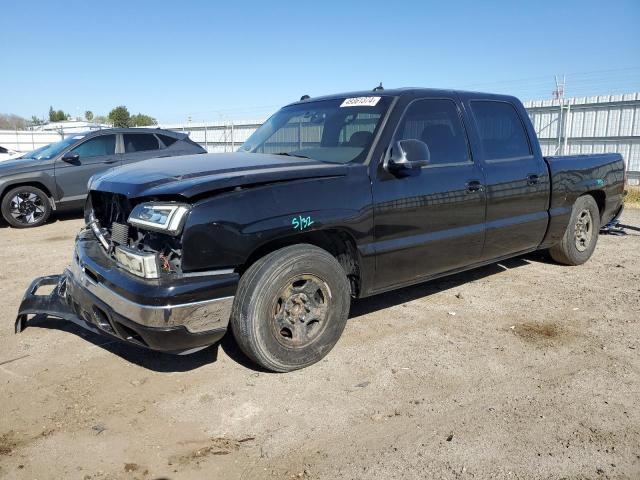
(301, 223)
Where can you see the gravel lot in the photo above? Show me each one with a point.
(521, 370)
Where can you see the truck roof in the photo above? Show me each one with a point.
(404, 91)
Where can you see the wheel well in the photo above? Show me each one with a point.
(338, 243)
(26, 184)
(599, 196)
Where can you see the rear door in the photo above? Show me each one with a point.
(517, 179)
(95, 155)
(432, 219)
(140, 146)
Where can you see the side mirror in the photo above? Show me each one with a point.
(70, 157)
(408, 155)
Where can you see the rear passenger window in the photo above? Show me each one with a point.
(167, 140)
(501, 130)
(97, 146)
(140, 142)
(437, 123)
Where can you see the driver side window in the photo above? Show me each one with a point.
(437, 123)
(96, 147)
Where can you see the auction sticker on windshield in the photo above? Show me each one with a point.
(360, 102)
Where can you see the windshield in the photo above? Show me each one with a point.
(50, 151)
(338, 131)
(35, 153)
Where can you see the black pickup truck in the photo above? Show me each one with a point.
(331, 198)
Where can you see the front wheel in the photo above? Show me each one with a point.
(25, 207)
(580, 238)
(291, 307)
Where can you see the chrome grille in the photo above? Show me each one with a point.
(120, 233)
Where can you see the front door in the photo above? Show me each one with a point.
(429, 220)
(94, 156)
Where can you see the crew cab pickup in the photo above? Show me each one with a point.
(331, 198)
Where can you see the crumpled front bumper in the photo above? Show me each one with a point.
(153, 316)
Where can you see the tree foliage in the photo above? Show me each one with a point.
(120, 117)
(88, 115)
(57, 115)
(142, 120)
(9, 121)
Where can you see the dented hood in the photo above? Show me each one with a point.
(192, 175)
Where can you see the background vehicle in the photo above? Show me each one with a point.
(55, 177)
(6, 153)
(335, 197)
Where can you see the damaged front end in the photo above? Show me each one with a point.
(142, 250)
(127, 282)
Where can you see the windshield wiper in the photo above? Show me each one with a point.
(288, 154)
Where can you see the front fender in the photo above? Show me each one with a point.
(43, 178)
(223, 231)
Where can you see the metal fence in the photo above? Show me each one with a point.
(609, 123)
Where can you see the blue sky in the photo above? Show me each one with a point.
(242, 59)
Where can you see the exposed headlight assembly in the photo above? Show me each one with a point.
(160, 217)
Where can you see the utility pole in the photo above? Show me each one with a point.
(558, 94)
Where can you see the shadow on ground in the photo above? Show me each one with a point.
(365, 306)
(164, 362)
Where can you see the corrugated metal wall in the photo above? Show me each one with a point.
(609, 123)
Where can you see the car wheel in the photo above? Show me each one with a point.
(580, 238)
(25, 207)
(291, 307)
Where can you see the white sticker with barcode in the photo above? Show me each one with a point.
(360, 102)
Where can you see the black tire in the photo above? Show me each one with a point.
(580, 238)
(25, 207)
(278, 299)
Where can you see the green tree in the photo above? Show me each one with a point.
(100, 119)
(120, 117)
(57, 115)
(141, 120)
(88, 115)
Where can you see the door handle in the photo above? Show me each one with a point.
(532, 179)
(110, 162)
(474, 186)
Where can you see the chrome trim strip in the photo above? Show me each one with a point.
(225, 271)
(195, 316)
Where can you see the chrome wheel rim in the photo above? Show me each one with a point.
(27, 207)
(583, 230)
(300, 311)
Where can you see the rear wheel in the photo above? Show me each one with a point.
(291, 308)
(581, 236)
(25, 207)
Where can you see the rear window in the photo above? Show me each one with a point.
(501, 130)
(140, 142)
(167, 140)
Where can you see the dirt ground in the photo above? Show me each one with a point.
(522, 370)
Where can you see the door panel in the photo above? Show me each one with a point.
(517, 180)
(95, 155)
(430, 220)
